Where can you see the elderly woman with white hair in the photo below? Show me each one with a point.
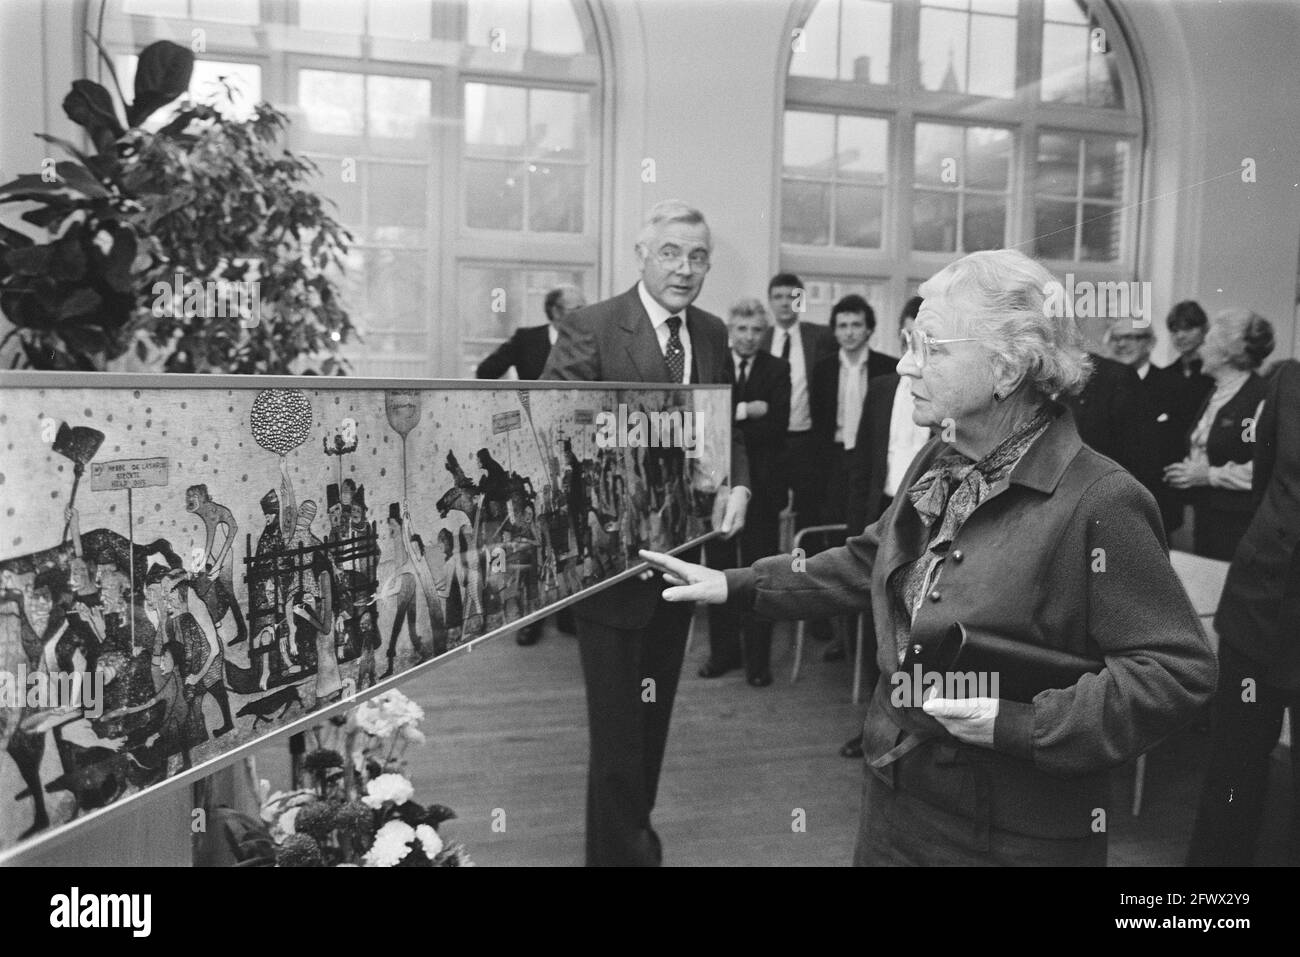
(1047, 555)
(1221, 445)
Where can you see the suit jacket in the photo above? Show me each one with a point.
(1259, 613)
(1182, 397)
(1019, 568)
(768, 380)
(817, 341)
(1227, 443)
(527, 350)
(1113, 417)
(824, 389)
(615, 341)
(870, 459)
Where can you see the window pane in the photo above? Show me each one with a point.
(479, 290)
(496, 118)
(1007, 8)
(156, 8)
(943, 50)
(865, 41)
(1054, 229)
(1065, 63)
(1104, 88)
(399, 106)
(347, 195)
(398, 197)
(332, 103)
(485, 16)
(934, 222)
(1058, 165)
(337, 16)
(555, 27)
(494, 195)
(988, 158)
(211, 78)
(1103, 229)
(1105, 169)
(805, 213)
(809, 143)
(558, 124)
(227, 11)
(984, 222)
(993, 64)
(1065, 11)
(814, 55)
(938, 154)
(859, 211)
(555, 198)
(401, 19)
(863, 148)
(396, 289)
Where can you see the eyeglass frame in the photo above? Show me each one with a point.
(923, 355)
(673, 262)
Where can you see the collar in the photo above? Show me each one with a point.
(854, 366)
(657, 313)
(1230, 383)
(1046, 460)
(791, 331)
(1143, 370)
(737, 358)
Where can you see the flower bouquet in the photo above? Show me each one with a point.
(359, 811)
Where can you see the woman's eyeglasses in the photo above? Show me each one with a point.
(920, 345)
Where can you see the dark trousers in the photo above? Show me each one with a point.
(1242, 737)
(1215, 532)
(631, 677)
(835, 494)
(758, 539)
(802, 473)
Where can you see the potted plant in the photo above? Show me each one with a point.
(200, 244)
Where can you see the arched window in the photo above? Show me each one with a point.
(919, 130)
(461, 140)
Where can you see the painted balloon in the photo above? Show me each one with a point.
(281, 419)
(403, 408)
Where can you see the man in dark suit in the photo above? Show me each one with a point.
(1258, 623)
(800, 344)
(632, 641)
(1112, 417)
(528, 349)
(1184, 389)
(761, 402)
(838, 392)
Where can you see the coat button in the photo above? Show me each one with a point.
(934, 595)
(957, 556)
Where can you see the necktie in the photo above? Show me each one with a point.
(742, 379)
(675, 355)
(785, 348)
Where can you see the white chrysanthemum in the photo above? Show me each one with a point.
(429, 840)
(391, 845)
(388, 787)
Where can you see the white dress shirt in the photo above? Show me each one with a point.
(906, 438)
(659, 318)
(1142, 370)
(853, 392)
(800, 414)
(552, 333)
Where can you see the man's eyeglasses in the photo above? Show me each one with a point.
(670, 257)
(920, 345)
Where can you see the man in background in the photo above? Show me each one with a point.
(527, 350)
(761, 410)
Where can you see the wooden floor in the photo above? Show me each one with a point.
(508, 742)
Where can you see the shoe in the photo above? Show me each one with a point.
(530, 635)
(852, 748)
(760, 680)
(833, 653)
(388, 672)
(712, 670)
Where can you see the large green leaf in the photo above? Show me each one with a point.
(90, 106)
(162, 74)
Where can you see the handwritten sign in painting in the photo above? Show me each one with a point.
(127, 473)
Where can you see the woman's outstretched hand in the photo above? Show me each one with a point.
(691, 582)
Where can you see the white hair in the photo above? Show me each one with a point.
(1002, 295)
(749, 309)
(672, 211)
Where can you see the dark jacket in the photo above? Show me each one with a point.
(870, 460)
(824, 390)
(767, 380)
(615, 341)
(1024, 566)
(1112, 416)
(527, 350)
(1259, 613)
(1228, 442)
(817, 341)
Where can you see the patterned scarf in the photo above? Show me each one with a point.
(944, 497)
